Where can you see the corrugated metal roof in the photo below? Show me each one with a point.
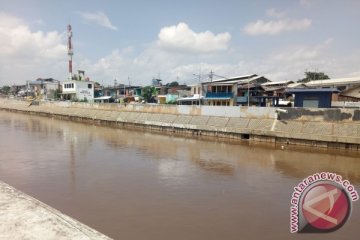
(235, 79)
(194, 97)
(334, 82)
(273, 88)
(352, 92)
(277, 83)
(296, 85)
(298, 90)
(217, 98)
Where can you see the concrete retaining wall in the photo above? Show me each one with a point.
(23, 217)
(172, 109)
(335, 128)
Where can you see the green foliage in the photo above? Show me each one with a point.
(148, 93)
(57, 94)
(172, 102)
(6, 89)
(174, 84)
(309, 76)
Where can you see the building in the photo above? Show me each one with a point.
(276, 88)
(43, 88)
(231, 91)
(312, 97)
(76, 90)
(156, 82)
(351, 94)
(196, 99)
(196, 89)
(19, 90)
(339, 83)
(79, 88)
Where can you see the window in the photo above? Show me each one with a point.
(311, 102)
(89, 85)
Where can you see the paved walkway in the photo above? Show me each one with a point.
(23, 217)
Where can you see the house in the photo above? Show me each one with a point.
(276, 88)
(43, 88)
(296, 85)
(173, 94)
(196, 89)
(312, 97)
(339, 83)
(121, 91)
(231, 91)
(116, 91)
(351, 94)
(268, 94)
(19, 90)
(194, 97)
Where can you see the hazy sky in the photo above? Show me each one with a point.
(173, 40)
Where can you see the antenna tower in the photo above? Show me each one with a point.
(70, 50)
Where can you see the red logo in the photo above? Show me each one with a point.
(325, 207)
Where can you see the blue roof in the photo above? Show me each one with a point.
(313, 90)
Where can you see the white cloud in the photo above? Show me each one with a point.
(306, 3)
(261, 27)
(272, 12)
(18, 41)
(99, 18)
(300, 53)
(181, 37)
(27, 54)
(286, 63)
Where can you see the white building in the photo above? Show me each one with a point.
(78, 90)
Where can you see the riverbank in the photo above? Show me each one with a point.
(326, 128)
(23, 217)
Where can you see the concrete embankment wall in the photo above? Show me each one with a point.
(334, 128)
(23, 217)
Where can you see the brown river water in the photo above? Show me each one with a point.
(140, 185)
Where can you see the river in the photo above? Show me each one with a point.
(140, 185)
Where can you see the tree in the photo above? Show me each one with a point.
(174, 84)
(309, 76)
(57, 94)
(148, 93)
(6, 89)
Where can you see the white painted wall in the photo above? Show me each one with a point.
(81, 89)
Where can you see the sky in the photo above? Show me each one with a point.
(136, 41)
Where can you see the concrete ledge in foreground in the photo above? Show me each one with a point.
(23, 217)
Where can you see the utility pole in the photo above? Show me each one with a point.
(125, 88)
(115, 82)
(199, 76)
(248, 91)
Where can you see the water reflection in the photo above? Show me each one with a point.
(220, 157)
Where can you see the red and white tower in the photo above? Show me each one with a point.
(70, 50)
